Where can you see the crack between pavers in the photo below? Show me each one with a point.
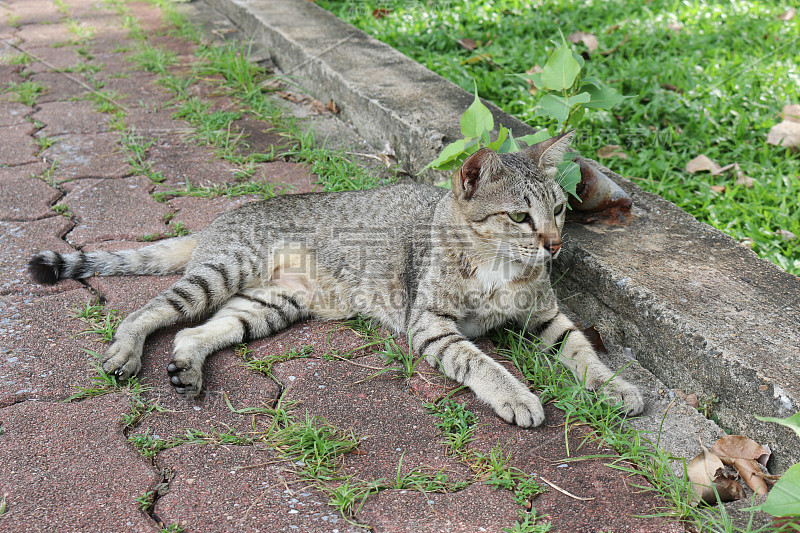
(159, 489)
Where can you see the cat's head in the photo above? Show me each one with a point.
(512, 203)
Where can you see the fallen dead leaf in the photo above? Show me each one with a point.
(747, 242)
(786, 235)
(321, 108)
(477, 59)
(705, 471)
(786, 134)
(746, 181)
(380, 12)
(292, 97)
(673, 88)
(468, 42)
(388, 156)
(611, 150)
(742, 454)
(702, 163)
(788, 14)
(332, 107)
(718, 188)
(674, 27)
(692, 400)
(589, 40)
(791, 113)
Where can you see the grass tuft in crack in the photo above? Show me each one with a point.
(25, 92)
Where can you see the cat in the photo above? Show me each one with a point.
(441, 266)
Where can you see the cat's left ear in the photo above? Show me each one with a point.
(479, 168)
(549, 153)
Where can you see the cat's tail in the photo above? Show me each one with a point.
(166, 257)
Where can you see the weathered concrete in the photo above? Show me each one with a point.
(699, 311)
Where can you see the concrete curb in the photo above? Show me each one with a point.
(700, 312)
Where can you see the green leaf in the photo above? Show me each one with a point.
(558, 107)
(602, 97)
(793, 422)
(534, 138)
(510, 145)
(477, 121)
(591, 80)
(561, 69)
(784, 498)
(449, 155)
(536, 78)
(578, 58)
(569, 175)
(501, 138)
(576, 117)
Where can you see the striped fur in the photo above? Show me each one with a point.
(442, 266)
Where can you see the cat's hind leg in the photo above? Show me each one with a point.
(250, 314)
(203, 288)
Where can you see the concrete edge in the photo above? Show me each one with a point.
(686, 336)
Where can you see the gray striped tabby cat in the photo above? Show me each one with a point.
(441, 266)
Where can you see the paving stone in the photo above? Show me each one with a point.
(181, 161)
(350, 396)
(539, 451)
(259, 137)
(41, 35)
(49, 59)
(139, 89)
(24, 196)
(240, 488)
(12, 113)
(42, 346)
(288, 176)
(157, 122)
(476, 508)
(70, 117)
(59, 87)
(18, 146)
(10, 74)
(113, 209)
(20, 241)
(68, 467)
(88, 156)
(34, 12)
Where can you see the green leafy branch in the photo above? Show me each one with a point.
(784, 498)
(565, 102)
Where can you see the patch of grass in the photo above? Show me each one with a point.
(101, 321)
(314, 445)
(137, 148)
(16, 59)
(82, 68)
(48, 176)
(455, 421)
(63, 210)
(12, 19)
(264, 189)
(81, 32)
(714, 86)
(44, 142)
(529, 523)
(265, 364)
(25, 92)
(173, 528)
(106, 101)
(153, 59)
(149, 445)
(177, 229)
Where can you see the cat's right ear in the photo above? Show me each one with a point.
(479, 169)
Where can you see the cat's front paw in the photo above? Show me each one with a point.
(186, 377)
(620, 391)
(522, 408)
(123, 359)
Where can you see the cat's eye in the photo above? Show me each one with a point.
(518, 217)
(558, 210)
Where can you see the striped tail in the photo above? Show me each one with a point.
(166, 257)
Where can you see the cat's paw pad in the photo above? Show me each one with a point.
(186, 378)
(524, 410)
(628, 395)
(122, 360)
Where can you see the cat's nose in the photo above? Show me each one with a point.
(553, 247)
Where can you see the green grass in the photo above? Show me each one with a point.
(101, 321)
(735, 65)
(64, 211)
(177, 229)
(153, 59)
(264, 365)
(25, 92)
(16, 59)
(137, 147)
(106, 101)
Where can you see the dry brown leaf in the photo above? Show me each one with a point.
(702, 163)
(746, 181)
(388, 156)
(319, 108)
(786, 235)
(380, 12)
(692, 400)
(725, 169)
(611, 150)
(589, 40)
(791, 113)
(788, 14)
(718, 188)
(332, 107)
(292, 97)
(673, 88)
(468, 43)
(703, 471)
(786, 134)
(674, 27)
(743, 453)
